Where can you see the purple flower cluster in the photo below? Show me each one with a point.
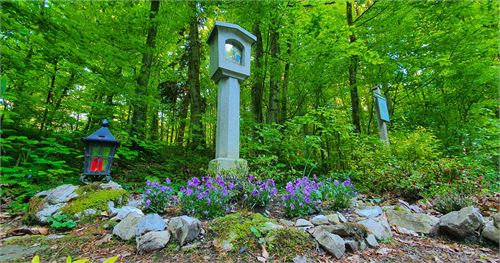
(157, 196)
(207, 197)
(302, 196)
(339, 195)
(259, 193)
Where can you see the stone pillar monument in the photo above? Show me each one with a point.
(382, 114)
(230, 50)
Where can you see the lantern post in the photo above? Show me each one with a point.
(100, 149)
(230, 51)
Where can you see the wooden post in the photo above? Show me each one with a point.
(382, 127)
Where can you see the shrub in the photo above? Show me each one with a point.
(259, 193)
(157, 196)
(339, 195)
(207, 198)
(451, 201)
(301, 198)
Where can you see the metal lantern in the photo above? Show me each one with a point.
(100, 148)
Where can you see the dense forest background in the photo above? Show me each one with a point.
(307, 108)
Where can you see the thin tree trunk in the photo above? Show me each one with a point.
(258, 85)
(284, 90)
(183, 118)
(273, 110)
(193, 81)
(353, 68)
(140, 107)
(48, 101)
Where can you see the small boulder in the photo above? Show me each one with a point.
(268, 226)
(332, 243)
(47, 211)
(352, 245)
(371, 241)
(342, 218)
(122, 212)
(303, 223)
(126, 229)
(110, 185)
(60, 194)
(369, 211)
(380, 229)
(491, 233)
(420, 223)
(184, 228)
(151, 222)
(333, 219)
(496, 220)
(320, 220)
(152, 241)
(285, 222)
(463, 224)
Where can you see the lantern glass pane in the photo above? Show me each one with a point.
(233, 53)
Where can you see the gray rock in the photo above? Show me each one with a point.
(268, 226)
(86, 213)
(342, 218)
(491, 233)
(135, 202)
(332, 243)
(333, 219)
(352, 245)
(55, 236)
(110, 185)
(463, 224)
(320, 220)
(47, 211)
(126, 229)
(380, 229)
(152, 241)
(303, 223)
(285, 222)
(184, 228)
(362, 244)
(123, 212)
(60, 194)
(420, 223)
(371, 241)
(151, 222)
(369, 211)
(496, 220)
(300, 259)
(10, 253)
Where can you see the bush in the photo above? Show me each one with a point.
(339, 195)
(157, 196)
(451, 201)
(207, 198)
(302, 197)
(259, 193)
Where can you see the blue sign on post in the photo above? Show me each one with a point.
(382, 108)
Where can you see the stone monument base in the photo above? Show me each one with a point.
(227, 167)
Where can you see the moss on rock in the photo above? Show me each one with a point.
(286, 243)
(97, 200)
(236, 229)
(35, 204)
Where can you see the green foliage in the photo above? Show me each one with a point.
(338, 195)
(36, 259)
(287, 243)
(30, 165)
(61, 222)
(97, 200)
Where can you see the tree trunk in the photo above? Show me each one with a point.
(353, 68)
(275, 74)
(140, 107)
(48, 101)
(193, 81)
(258, 85)
(284, 90)
(183, 119)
